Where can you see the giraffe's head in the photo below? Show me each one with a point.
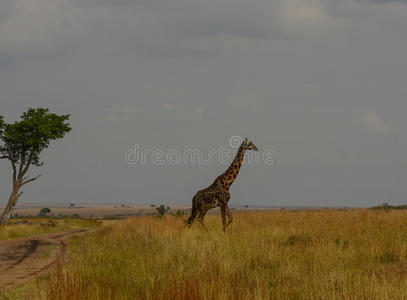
(248, 145)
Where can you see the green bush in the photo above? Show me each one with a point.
(161, 211)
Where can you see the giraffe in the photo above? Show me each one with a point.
(217, 194)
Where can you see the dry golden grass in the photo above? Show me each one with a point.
(17, 229)
(356, 254)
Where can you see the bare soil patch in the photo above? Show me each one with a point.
(24, 259)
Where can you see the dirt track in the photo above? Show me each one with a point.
(25, 259)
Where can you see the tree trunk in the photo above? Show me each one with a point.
(10, 205)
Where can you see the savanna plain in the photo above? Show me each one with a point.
(319, 254)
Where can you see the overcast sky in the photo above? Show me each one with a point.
(322, 83)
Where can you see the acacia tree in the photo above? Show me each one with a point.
(22, 142)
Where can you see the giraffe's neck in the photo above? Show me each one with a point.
(229, 176)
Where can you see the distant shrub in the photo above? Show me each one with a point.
(178, 214)
(161, 211)
(45, 211)
(386, 206)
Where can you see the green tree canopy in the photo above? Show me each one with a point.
(24, 140)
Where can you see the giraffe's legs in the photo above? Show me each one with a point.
(223, 212)
(226, 213)
(194, 214)
(201, 218)
(229, 214)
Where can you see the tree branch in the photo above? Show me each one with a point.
(28, 164)
(10, 158)
(29, 180)
(22, 160)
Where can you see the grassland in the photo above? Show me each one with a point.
(24, 227)
(358, 254)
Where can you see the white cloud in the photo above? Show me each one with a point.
(305, 11)
(372, 120)
(169, 107)
(120, 113)
(304, 17)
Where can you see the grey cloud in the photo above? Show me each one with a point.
(162, 27)
(382, 1)
(110, 2)
(321, 82)
(7, 8)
